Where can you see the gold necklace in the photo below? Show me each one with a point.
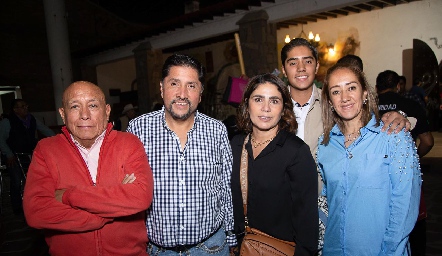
(352, 136)
(257, 144)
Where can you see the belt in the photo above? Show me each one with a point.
(184, 247)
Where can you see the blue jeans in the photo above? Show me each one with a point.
(215, 245)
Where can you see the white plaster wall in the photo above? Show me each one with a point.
(116, 75)
(383, 34)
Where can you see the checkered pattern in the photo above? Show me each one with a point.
(192, 196)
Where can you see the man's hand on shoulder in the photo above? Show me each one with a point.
(395, 122)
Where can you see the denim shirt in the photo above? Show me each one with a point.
(372, 189)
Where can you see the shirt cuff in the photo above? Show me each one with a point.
(231, 240)
(412, 121)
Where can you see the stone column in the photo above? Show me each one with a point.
(59, 49)
(258, 43)
(144, 98)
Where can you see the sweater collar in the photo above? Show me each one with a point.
(67, 134)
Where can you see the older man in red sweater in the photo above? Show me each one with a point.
(89, 186)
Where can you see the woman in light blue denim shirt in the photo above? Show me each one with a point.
(372, 179)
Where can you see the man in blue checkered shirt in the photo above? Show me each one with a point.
(191, 160)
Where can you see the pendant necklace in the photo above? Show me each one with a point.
(352, 136)
(257, 144)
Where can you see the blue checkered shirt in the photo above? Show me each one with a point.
(192, 196)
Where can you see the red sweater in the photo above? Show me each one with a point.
(105, 219)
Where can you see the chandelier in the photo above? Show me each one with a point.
(310, 37)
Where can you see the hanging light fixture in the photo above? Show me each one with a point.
(302, 34)
(287, 39)
(317, 38)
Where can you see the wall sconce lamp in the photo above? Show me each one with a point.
(331, 49)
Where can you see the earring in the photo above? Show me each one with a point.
(332, 108)
(365, 101)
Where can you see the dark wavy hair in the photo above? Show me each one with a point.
(387, 79)
(352, 60)
(330, 118)
(287, 121)
(295, 43)
(183, 61)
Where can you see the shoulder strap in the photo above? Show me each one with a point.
(243, 177)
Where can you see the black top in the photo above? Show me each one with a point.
(391, 101)
(21, 138)
(282, 192)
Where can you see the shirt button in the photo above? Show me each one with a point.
(182, 227)
(181, 205)
(181, 182)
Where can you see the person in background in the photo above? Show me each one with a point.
(282, 177)
(89, 187)
(191, 161)
(387, 85)
(18, 134)
(129, 113)
(230, 123)
(372, 180)
(410, 95)
(300, 64)
(417, 89)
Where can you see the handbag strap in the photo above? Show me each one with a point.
(243, 179)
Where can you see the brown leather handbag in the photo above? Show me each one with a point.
(256, 242)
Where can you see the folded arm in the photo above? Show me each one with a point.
(120, 199)
(43, 211)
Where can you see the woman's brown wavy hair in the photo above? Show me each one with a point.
(287, 121)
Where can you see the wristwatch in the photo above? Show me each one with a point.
(230, 233)
(402, 113)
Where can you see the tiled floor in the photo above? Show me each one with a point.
(17, 239)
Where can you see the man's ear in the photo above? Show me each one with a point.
(61, 111)
(161, 89)
(108, 111)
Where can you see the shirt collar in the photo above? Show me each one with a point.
(98, 139)
(370, 127)
(309, 102)
(163, 119)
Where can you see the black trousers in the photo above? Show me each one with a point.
(418, 238)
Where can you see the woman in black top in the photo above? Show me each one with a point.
(282, 177)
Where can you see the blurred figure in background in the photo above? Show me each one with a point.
(18, 134)
(129, 113)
